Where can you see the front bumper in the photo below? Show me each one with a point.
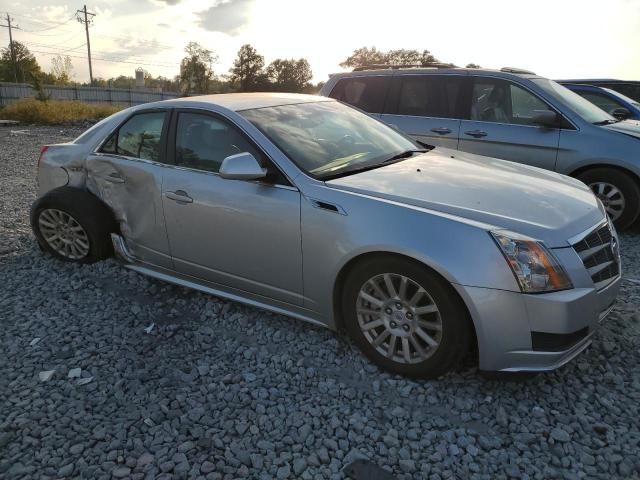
(513, 329)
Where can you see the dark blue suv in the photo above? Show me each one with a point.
(612, 102)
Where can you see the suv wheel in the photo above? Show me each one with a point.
(619, 193)
(405, 318)
(73, 225)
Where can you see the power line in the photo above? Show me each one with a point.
(55, 49)
(55, 24)
(113, 60)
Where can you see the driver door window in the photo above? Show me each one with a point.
(203, 142)
(495, 100)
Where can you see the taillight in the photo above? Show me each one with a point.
(43, 149)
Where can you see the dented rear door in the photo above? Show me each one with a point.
(126, 173)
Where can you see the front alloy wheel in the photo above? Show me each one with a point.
(611, 197)
(399, 318)
(404, 317)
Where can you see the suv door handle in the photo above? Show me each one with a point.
(179, 196)
(476, 133)
(441, 130)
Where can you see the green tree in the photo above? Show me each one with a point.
(27, 66)
(247, 70)
(403, 56)
(364, 56)
(473, 65)
(61, 69)
(196, 68)
(289, 75)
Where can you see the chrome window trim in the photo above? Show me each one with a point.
(195, 170)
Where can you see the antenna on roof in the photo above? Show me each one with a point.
(516, 70)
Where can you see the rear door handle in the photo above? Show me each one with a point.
(179, 196)
(114, 178)
(476, 133)
(441, 130)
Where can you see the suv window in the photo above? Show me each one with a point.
(366, 93)
(204, 141)
(628, 90)
(604, 102)
(138, 137)
(428, 95)
(495, 100)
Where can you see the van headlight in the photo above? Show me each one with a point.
(534, 266)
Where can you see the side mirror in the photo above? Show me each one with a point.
(545, 118)
(241, 166)
(620, 113)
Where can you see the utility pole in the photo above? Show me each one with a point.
(13, 52)
(86, 20)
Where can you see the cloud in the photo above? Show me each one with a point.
(226, 16)
(170, 2)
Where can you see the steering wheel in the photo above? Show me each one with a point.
(347, 141)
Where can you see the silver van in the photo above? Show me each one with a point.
(510, 114)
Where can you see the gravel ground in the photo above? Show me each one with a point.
(219, 390)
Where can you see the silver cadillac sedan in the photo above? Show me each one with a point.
(307, 207)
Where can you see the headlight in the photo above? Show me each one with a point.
(533, 265)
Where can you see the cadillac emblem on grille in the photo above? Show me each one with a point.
(614, 247)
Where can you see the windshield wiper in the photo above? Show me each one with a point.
(405, 154)
(371, 166)
(606, 122)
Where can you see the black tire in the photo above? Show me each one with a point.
(456, 331)
(88, 211)
(625, 183)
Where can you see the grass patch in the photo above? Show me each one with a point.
(52, 112)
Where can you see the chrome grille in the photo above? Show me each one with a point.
(599, 255)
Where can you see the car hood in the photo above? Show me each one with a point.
(629, 127)
(500, 194)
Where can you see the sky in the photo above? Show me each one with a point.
(555, 39)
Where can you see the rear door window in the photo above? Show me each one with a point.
(437, 96)
(139, 137)
(428, 95)
(366, 93)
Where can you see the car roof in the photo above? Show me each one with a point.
(589, 80)
(437, 71)
(248, 101)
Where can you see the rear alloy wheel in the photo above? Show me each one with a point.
(73, 225)
(405, 318)
(63, 234)
(618, 192)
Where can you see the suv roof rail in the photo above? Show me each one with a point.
(516, 70)
(385, 66)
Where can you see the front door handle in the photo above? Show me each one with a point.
(179, 196)
(441, 130)
(476, 133)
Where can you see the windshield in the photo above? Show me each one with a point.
(326, 139)
(587, 110)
